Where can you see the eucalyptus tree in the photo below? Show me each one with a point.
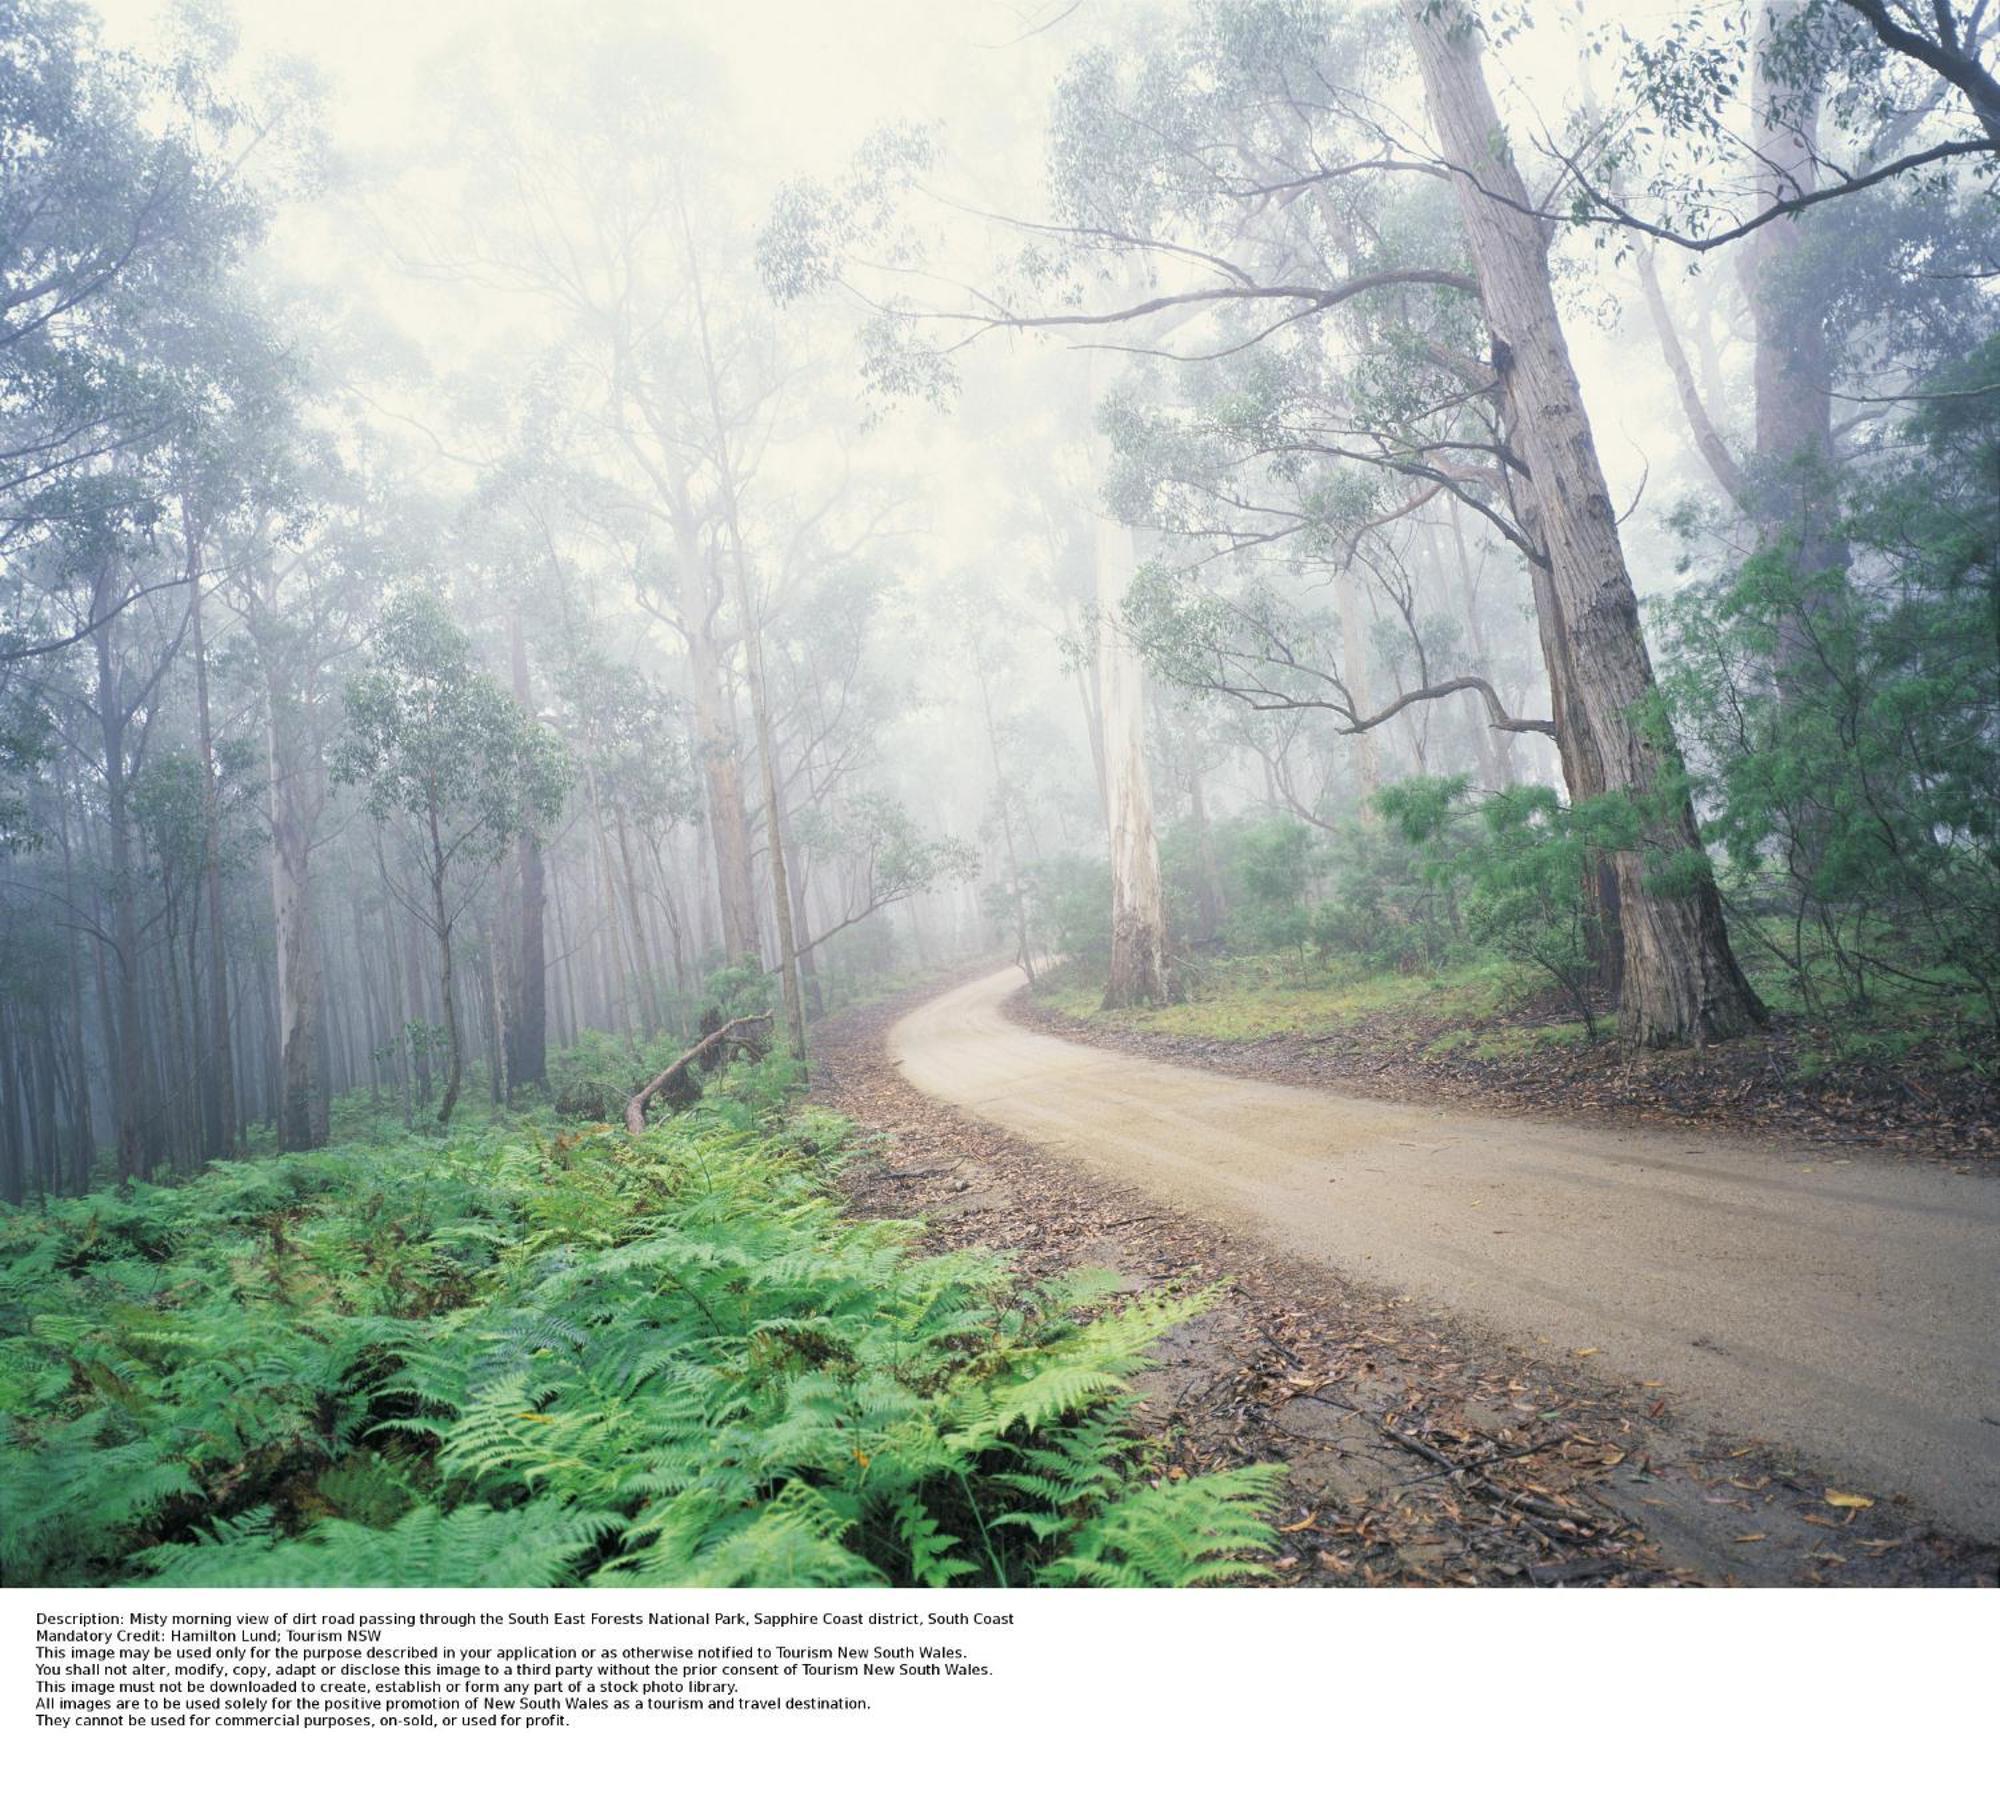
(609, 214)
(439, 747)
(113, 212)
(1247, 156)
(589, 212)
(1681, 979)
(637, 781)
(1847, 306)
(1909, 86)
(305, 565)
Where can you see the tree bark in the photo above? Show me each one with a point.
(219, 1088)
(133, 1089)
(1138, 902)
(298, 956)
(1681, 981)
(528, 1018)
(721, 771)
(454, 1044)
(1792, 365)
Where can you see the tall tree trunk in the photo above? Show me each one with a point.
(83, 1151)
(642, 942)
(133, 1088)
(496, 1019)
(567, 949)
(454, 1044)
(617, 963)
(663, 890)
(1482, 661)
(420, 1008)
(372, 1028)
(781, 890)
(219, 1087)
(1208, 893)
(47, 1130)
(1681, 982)
(1138, 900)
(747, 609)
(181, 1087)
(1792, 364)
(1002, 797)
(293, 771)
(13, 1116)
(528, 1019)
(722, 780)
(797, 871)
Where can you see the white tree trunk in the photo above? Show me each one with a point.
(1138, 906)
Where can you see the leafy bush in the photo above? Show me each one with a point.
(590, 1080)
(503, 1359)
(1269, 869)
(742, 988)
(1388, 913)
(1841, 724)
(1069, 907)
(1520, 864)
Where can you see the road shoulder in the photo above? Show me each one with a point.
(1420, 1450)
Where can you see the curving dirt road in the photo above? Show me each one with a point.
(1850, 1310)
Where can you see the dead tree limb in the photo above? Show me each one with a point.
(707, 1050)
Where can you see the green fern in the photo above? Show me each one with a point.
(507, 1361)
(471, 1547)
(1204, 1530)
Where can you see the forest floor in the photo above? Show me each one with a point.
(1421, 1447)
(1480, 1041)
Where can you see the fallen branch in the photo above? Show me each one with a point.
(727, 1035)
(1494, 1490)
(1472, 1465)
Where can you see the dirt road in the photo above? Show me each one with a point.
(1850, 1310)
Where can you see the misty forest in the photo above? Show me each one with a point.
(1094, 794)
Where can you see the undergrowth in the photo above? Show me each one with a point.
(507, 1359)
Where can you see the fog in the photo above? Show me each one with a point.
(924, 484)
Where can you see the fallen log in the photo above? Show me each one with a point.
(708, 1051)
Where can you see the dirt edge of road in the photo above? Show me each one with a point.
(1420, 1450)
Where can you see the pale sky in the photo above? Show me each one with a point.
(812, 76)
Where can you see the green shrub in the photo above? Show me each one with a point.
(1069, 907)
(1388, 914)
(1519, 867)
(1841, 724)
(591, 1079)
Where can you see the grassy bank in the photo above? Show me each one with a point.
(518, 1356)
(1251, 997)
